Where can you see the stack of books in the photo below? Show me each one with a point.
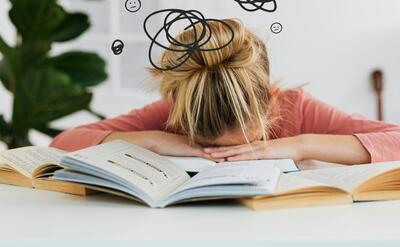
(126, 170)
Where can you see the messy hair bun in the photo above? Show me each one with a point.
(215, 91)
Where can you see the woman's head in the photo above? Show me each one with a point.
(218, 93)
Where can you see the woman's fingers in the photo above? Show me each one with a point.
(209, 157)
(219, 160)
(224, 152)
(246, 156)
(232, 152)
(215, 149)
(222, 149)
(199, 152)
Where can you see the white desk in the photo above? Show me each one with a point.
(40, 218)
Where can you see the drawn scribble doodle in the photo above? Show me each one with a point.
(117, 47)
(193, 20)
(255, 5)
(276, 27)
(133, 5)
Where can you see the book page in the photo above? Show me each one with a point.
(290, 182)
(350, 177)
(234, 174)
(195, 164)
(25, 160)
(3, 165)
(150, 172)
(191, 164)
(304, 165)
(285, 165)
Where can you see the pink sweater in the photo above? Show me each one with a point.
(299, 113)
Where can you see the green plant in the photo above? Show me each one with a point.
(45, 87)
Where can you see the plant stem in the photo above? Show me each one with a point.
(4, 48)
(52, 132)
(98, 115)
(18, 140)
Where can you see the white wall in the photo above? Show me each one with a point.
(334, 45)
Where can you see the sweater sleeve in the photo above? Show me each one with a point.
(150, 117)
(380, 139)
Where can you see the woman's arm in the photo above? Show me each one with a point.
(149, 118)
(325, 134)
(381, 140)
(161, 142)
(143, 127)
(344, 149)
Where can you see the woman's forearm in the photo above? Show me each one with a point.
(161, 142)
(140, 138)
(343, 149)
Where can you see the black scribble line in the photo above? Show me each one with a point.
(133, 5)
(196, 21)
(255, 5)
(117, 47)
(131, 170)
(148, 164)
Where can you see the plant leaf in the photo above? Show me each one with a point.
(33, 52)
(8, 65)
(44, 95)
(36, 20)
(46, 20)
(84, 69)
(71, 27)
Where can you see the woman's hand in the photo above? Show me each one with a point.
(342, 149)
(284, 148)
(162, 143)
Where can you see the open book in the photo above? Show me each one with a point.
(127, 170)
(195, 165)
(371, 182)
(33, 167)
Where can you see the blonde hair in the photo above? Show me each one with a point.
(215, 91)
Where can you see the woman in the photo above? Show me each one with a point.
(220, 105)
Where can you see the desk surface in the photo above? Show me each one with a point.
(32, 216)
